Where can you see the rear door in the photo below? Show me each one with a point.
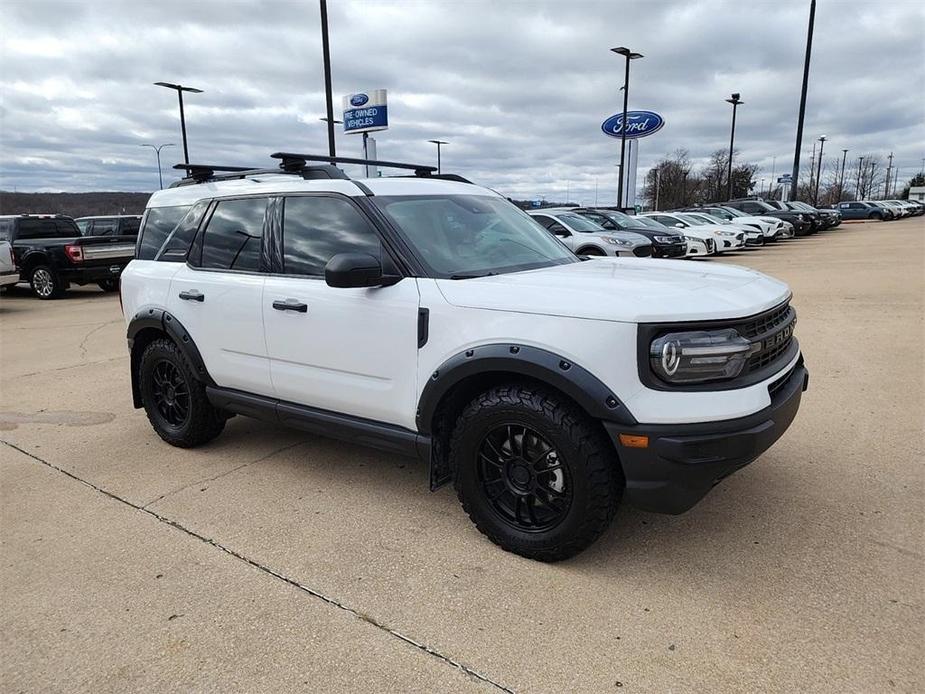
(217, 295)
(351, 351)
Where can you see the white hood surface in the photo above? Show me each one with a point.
(633, 290)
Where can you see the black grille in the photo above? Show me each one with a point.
(771, 334)
(766, 322)
(642, 251)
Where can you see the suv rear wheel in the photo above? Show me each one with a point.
(533, 472)
(45, 283)
(174, 400)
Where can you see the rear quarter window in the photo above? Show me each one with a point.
(6, 229)
(157, 224)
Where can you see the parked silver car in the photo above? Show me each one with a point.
(585, 237)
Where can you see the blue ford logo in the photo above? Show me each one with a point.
(638, 124)
(358, 99)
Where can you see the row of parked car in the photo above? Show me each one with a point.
(695, 231)
(52, 251)
(885, 210)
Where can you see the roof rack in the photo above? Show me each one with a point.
(292, 161)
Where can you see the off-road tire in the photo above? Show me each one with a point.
(593, 468)
(203, 422)
(45, 283)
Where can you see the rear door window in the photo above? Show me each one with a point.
(103, 227)
(177, 245)
(157, 225)
(233, 236)
(129, 226)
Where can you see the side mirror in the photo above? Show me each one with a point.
(347, 270)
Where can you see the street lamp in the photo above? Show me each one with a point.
(180, 89)
(439, 143)
(858, 192)
(841, 178)
(735, 101)
(629, 55)
(157, 150)
(818, 171)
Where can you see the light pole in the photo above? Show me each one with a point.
(796, 152)
(439, 144)
(858, 191)
(841, 178)
(180, 89)
(157, 150)
(629, 55)
(326, 58)
(889, 172)
(818, 171)
(735, 101)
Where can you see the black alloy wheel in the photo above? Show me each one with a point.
(523, 477)
(171, 393)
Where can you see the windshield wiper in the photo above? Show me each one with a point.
(472, 275)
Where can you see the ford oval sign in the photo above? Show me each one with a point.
(639, 124)
(358, 100)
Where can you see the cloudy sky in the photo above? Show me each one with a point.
(519, 89)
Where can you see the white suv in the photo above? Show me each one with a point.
(586, 237)
(429, 316)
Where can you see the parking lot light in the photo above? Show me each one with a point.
(629, 55)
(858, 192)
(818, 171)
(180, 89)
(439, 144)
(735, 101)
(157, 150)
(841, 178)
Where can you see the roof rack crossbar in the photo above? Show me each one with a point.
(292, 159)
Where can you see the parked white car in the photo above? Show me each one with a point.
(431, 317)
(753, 236)
(723, 239)
(771, 227)
(695, 244)
(585, 237)
(9, 275)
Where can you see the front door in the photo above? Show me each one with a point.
(351, 351)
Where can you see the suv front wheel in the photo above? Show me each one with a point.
(174, 400)
(534, 473)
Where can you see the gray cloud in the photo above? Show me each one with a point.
(519, 89)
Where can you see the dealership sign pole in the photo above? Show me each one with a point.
(638, 124)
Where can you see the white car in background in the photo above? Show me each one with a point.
(772, 227)
(700, 240)
(754, 236)
(9, 275)
(700, 245)
(584, 237)
(723, 239)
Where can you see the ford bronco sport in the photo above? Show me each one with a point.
(429, 316)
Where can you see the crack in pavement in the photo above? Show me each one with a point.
(83, 343)
(275, 574)
(65, 368)
(222, 474)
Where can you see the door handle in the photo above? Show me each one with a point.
(192, 295)
(290, 305)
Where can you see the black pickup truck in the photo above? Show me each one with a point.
(51, 254)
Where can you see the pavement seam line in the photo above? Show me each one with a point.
(222, 474)
(273, 573)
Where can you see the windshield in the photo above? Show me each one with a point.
(619, 218)
(472, 235)
(691, 219)
(653, 224)
(709, 219)
(578, 223)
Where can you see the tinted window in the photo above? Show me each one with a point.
(578, 223)
(37, 229)
(315, 229)
(103, 227)
(232, 238)
(177, 245)
(129, 226)
(158, 223)
(544, 220)
(6, 229)
(84, 226)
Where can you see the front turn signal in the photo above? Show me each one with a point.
(634, 441)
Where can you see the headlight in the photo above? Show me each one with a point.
(693, 238)
(726, 233)
(666, 239)
(614, 241)
(697, 356)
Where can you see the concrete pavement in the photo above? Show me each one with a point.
(270, 559)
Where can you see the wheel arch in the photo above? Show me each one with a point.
(151, 324)
(461, 377)
(590, 247)
(30, 259)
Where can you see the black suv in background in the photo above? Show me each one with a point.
(51, 254)
(802, 223)
(112, 225)
(667, 244)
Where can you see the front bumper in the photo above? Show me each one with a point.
(682, 463)
(674, 250)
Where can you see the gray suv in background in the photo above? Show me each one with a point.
(585, 237)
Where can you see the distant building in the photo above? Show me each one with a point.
(917, 193)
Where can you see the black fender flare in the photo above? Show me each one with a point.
(166, 323)
(539, 364)
(30, 258)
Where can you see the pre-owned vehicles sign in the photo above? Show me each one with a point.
(366, 111)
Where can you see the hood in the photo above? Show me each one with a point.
(633, 290)
(628, 236)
